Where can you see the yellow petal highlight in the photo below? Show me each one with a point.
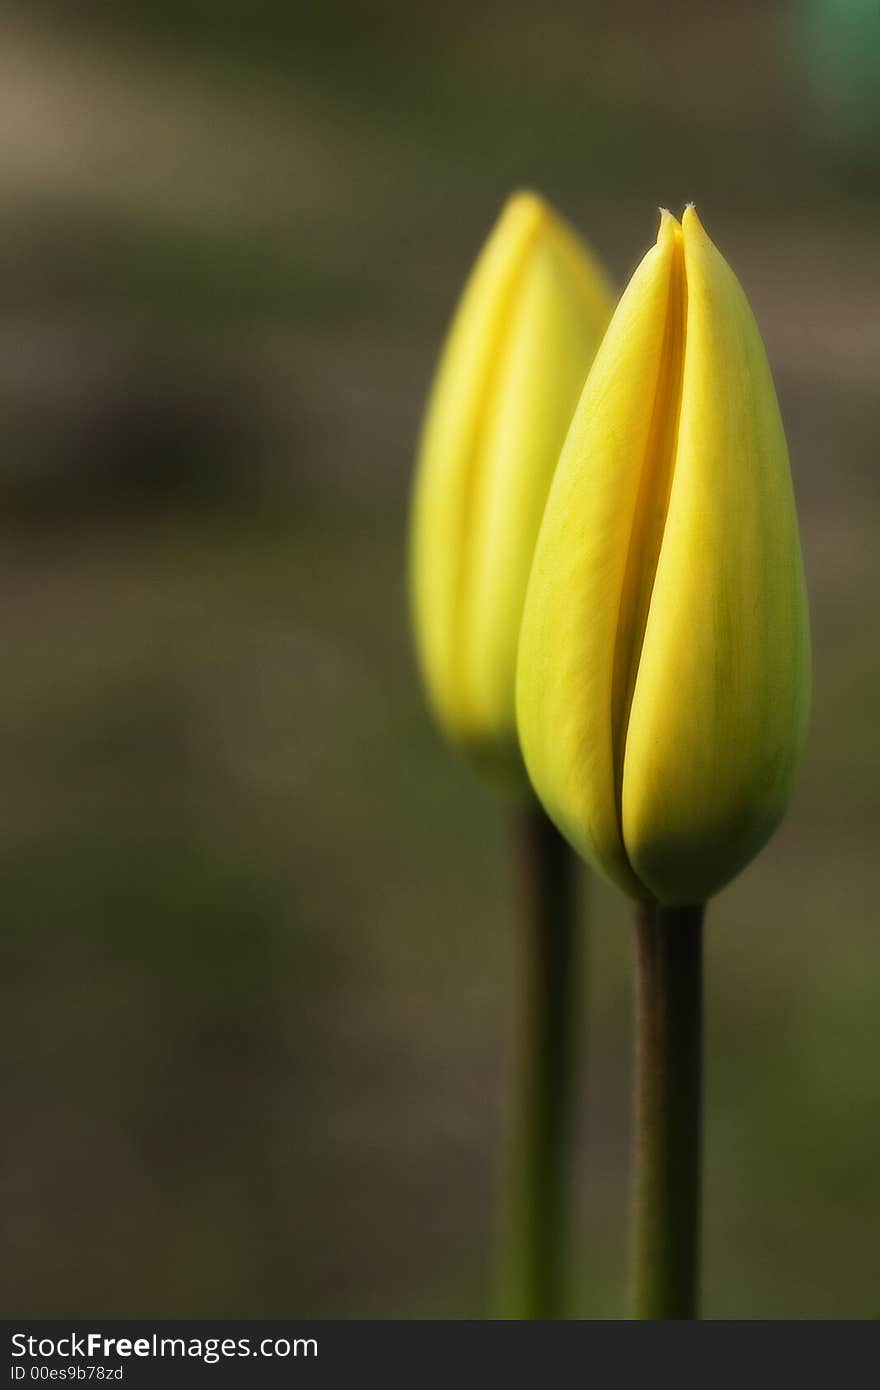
(663, 681)
(515, 360)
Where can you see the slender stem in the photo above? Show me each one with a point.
(534, 1266)
(667, 1120)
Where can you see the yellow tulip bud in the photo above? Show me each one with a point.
(518, 351)
(664, 666)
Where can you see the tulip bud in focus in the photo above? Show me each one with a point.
(664, 668)
(512, 369)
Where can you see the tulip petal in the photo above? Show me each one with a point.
(520, 346)
(449, 450)
(549, 345)
(589, 589)
(720, 706)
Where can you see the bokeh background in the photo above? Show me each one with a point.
(257, 922)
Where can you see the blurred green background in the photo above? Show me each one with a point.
(257, 921)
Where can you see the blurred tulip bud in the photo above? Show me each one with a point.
(664, 667)
(514, 363)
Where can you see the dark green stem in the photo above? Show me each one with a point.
(669, 951)
(538, 1216)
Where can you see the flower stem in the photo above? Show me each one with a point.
(538, 1218)
(669, 949)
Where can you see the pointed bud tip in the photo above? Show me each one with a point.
(525, 203)
(691, 222)
(670, 227)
